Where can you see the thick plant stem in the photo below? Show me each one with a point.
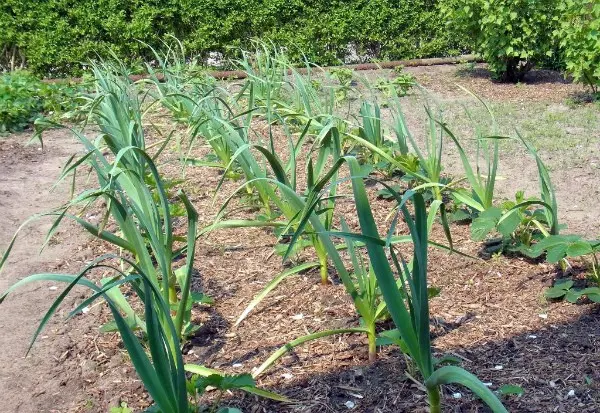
(435, 404)
(172, 294)
(322, 254)
(372, 344)
(324, 272)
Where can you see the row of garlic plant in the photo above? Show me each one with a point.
(276, 93)
(224, 121)
(133, 198)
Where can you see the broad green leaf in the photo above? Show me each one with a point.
(481, 227)
(509, 224)
(225, 381)
(572, 296)
(579, 248)
(556, 253)
(555, 292)
(565, 283)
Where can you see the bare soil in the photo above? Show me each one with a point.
(64, 371)
(491, 314)
(45, 379)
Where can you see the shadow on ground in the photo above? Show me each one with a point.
(536, 76)
(557, 366)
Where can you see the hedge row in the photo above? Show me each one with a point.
(53, 37)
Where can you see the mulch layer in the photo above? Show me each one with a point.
(491, 314)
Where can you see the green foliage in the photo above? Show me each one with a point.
(580, 40)
(408, 305)
(482, 181)
(223, 383)
(563, 289)
(132, 194)
(344, 77)
(559, 247)
(24, 98)
(121, 409)
(400, 85)
(511, 35)
(518, 223)
(55, 36)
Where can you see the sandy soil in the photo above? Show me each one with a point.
(40, 381)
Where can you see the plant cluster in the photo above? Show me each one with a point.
(515, 36)
(24, 98)
(277, 94)
(512, 36)
(338, 153)
(399, 85)
(150, 300)
(344, 77)
(559, 249)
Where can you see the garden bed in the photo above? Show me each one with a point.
(490, 314)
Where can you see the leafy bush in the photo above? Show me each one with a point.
(54, 36)
(24, 98)
(579, 40)
(511, 35)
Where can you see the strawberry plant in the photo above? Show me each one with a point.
(24, 98)
(517, 223)
(563, 289)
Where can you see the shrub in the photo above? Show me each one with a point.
(54, 36)
(511, 35)
(24, 98)
(579, 40)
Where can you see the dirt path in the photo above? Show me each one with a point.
(44, 381)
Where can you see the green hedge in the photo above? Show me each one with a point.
(54, 37)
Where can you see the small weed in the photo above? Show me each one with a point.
(398, 86)
(344, 77)
(122, 408)
(511, 390)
